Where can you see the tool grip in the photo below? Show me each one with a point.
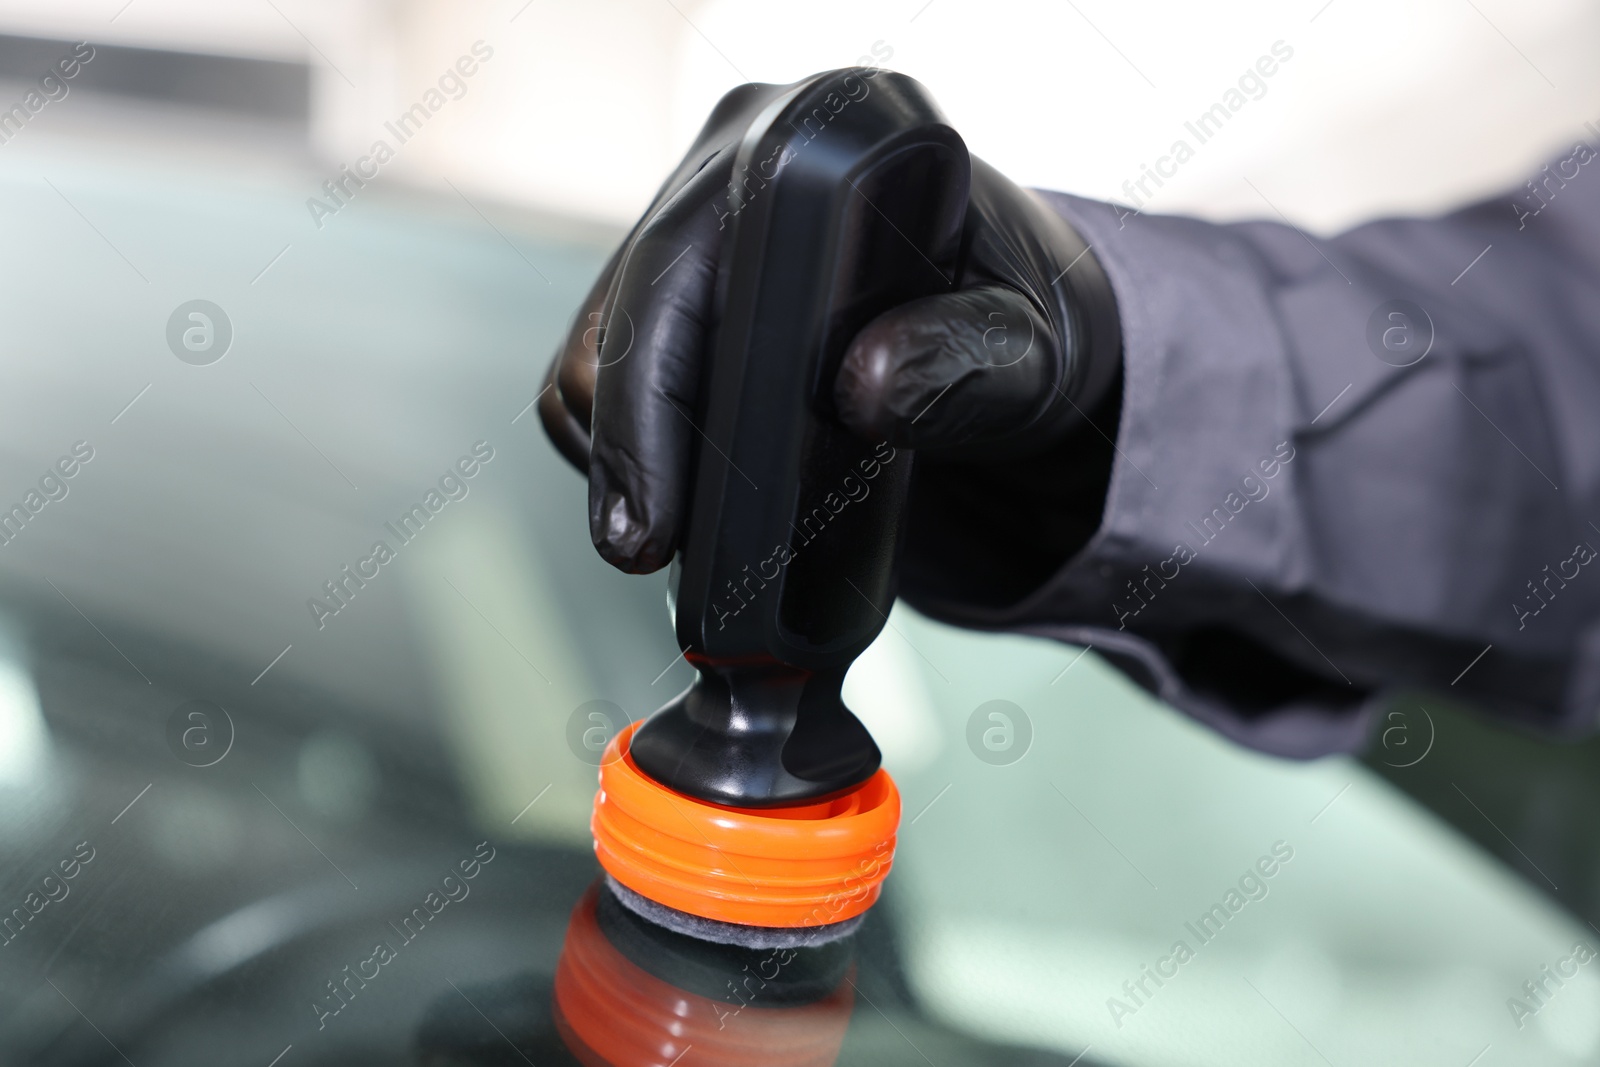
(847, 199)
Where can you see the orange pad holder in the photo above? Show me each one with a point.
(797, 866)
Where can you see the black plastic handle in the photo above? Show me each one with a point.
(847, 200)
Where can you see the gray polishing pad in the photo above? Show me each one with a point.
(722, 933)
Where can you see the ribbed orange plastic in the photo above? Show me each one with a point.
(803, 865)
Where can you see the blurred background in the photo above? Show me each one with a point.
(1382, 109)
(356, 340)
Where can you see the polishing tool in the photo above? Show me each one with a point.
(751, 809)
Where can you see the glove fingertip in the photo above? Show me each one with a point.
(864, 387)
(627, 540)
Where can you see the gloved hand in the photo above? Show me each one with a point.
(1007, 388)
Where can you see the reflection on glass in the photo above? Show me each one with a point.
(627, 993)
(24, 742)
(630, 994)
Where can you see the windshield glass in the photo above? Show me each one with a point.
(306, 661)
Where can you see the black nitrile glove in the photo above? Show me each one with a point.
(1008, 388)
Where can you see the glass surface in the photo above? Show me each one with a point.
(225, 785)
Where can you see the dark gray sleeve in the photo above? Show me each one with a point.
(1349, 466)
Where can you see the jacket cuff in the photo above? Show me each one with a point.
(1201, 503)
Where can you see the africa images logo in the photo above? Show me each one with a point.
(1250, 886)
(199, 332)
(452, 486)
(451, 85)
(451, 888)
(52, 87)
